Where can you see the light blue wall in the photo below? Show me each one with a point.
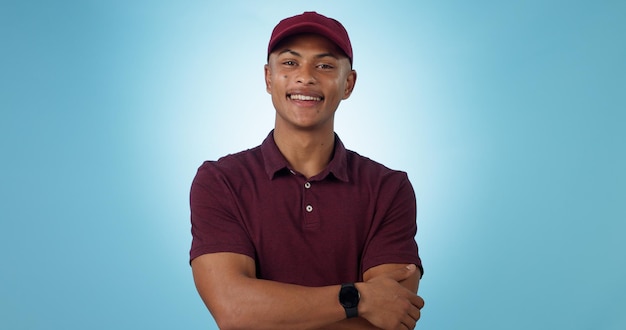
(509, 116)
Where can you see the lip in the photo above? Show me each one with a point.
(304, 96)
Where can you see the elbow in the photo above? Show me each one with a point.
(231, 318)
(225, 323)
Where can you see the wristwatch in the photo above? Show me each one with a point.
(349, 299)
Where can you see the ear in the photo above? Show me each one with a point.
(350, 82)
(268, 79)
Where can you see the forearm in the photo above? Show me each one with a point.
(274, 305)
(357, 323)
(248, 303)
(238, 300)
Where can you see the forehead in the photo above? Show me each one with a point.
(313, 42)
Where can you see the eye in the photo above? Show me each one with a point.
(289, 63)
(325, 66)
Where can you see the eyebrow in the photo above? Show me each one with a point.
(294, 53)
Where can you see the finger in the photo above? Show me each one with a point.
(409, 322)
(417, 301)
(415, 314)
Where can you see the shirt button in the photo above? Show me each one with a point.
(307, 185)
(309, 208)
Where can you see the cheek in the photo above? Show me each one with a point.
(280, 76)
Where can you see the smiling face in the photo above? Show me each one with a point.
(308, 76)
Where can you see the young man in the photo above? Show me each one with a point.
(300, 233)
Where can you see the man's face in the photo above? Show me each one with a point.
(308, 76)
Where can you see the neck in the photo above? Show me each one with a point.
(307, 152)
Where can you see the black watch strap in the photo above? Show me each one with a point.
(351, 312)
(349, 298)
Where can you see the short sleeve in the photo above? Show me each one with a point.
(216, 224)
(392, 240)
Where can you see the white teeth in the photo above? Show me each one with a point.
(304, 97)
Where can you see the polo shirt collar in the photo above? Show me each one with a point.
(275, 162)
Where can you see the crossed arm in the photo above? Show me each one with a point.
(238, 300)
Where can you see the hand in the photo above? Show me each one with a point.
(387, 304)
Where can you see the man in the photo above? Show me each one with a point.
(300, 233)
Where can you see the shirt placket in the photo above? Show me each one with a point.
(310, 206)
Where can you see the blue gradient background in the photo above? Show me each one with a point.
(509, 116)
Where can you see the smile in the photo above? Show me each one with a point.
(301, 97)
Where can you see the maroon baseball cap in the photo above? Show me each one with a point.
(312, 22)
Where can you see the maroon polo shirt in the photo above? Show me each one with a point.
(325, 230)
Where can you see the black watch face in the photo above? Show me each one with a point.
(349, 297)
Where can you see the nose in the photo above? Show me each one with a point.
(306, 75)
